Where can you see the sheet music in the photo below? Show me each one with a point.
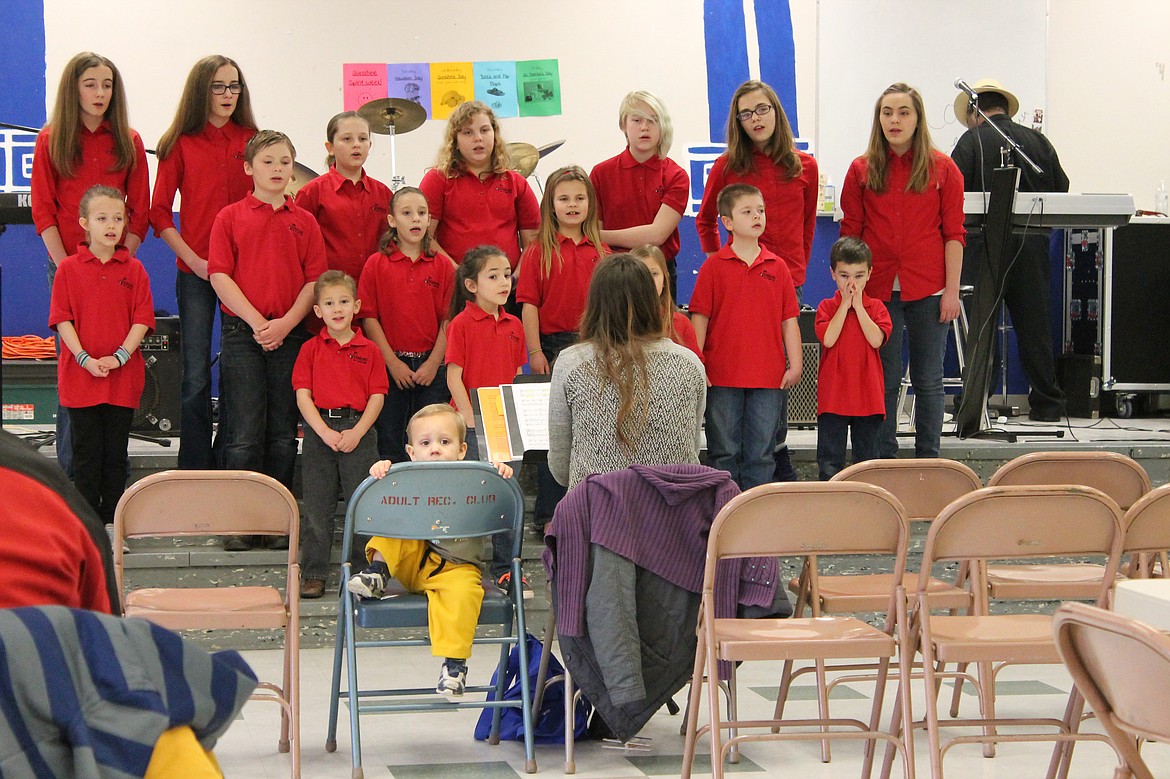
(491, 407)
(531, 420)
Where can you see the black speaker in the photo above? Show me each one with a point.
(158, 408)
(802, 398)
(1080, 378)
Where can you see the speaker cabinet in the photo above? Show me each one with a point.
(158, 408)
(1080, 378)
(802, 399)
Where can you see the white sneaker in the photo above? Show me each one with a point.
(370, 583)
(452, 680)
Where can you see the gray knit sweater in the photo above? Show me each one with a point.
(582, 413)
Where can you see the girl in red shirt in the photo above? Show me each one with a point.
(904, 198)
(675, 323)
(201, 155)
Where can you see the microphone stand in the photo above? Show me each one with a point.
(973, 104)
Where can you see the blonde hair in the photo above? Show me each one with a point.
(632, 106)
(262, 140)
(195, 103)
(546, 236)
(435, 410)
(877, 153)
(65, 123)
(665, 300)
(451, 162)
(333, 278)
(780, 148)
(96, 191)
(390, 237)
(331, 130)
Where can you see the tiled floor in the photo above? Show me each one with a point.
(425, 746)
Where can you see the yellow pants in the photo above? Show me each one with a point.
(178, 755)
(454, 594)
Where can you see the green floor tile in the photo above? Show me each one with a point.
(1017, 687)
(671, 765)
(494, 770)
(808, 692)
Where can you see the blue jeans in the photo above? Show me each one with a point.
(197, 306)
(260, 427)
(63, 439)
(928, 342)
(833, 434)
(741, 433)
(782, 426)
(401, 405)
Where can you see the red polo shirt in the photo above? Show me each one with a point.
(56, 199)
(746, 305)
(352, 217)
(849, 381)
(207, 167)
(271, 253)
(790, 204)
(340, 375)
(630, 193)
(103, 301)
(905, 230)
(473, 211)
(686, 333)
(410, 299)
(489, 350)
(560, 293)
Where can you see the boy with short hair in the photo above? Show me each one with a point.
(745, 312)
(265, 253)
(447, 571)
(341, 384)
(851, 327)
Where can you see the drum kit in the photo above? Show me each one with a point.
(395, 116)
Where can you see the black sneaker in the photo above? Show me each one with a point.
(505, 584)
(237, 543)
(370, 583)
(785, 471)
(452, 680)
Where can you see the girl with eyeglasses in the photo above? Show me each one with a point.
(201, 155)
(761, 151)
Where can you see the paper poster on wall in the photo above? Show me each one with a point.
(495, 84)
(539, 87)
(361, 83)
(410, 81)
(451, 84)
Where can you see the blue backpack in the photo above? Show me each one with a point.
(550, 720)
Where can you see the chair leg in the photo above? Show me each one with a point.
(732, 715)
(335, 685)
(1061, 760)
(716, 720)
(782, 693)
(986, 676)
(355, 735)
(694, 695)
(957, 693)
(823, 708)
(293, 690)
(932, 727)
(570, 724)
(550, 627)
(525, 689)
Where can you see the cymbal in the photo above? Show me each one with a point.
(549, 148)
(393, 112)
(524, 158)
(302, 174)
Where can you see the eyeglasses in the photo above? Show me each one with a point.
(235, 88)
(763, 109)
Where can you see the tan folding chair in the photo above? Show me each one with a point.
(1122, 668)
(221, 503)
(924, 487)
(830, 518)
(1147, 533)
(1004, 523)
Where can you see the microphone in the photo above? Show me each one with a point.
(963, 86)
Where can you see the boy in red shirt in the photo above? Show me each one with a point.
(265, 253)
(744, 311)
(851, 327)
(341, 384)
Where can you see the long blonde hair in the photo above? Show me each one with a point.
(780, 148)
(665, 300)
(451, 162)
(621, 317)
(65, 123)
(547, 235)
(195, 103)
(878, 151)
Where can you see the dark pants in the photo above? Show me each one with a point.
(928, 343)
(197, 306)
(329, 476)
(101, 435)
(741, 430)
(63, 438)
(401, 405)
(833, 434)
(548, 491)
(260, 426)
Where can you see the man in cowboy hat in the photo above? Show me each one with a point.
(1026, 288)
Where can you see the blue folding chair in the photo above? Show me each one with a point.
(425, 501)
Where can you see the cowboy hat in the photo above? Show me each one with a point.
(981, 86)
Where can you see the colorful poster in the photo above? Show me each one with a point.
(451, 84)
(362, 83)
(539, 87)
(411, 82)
(495, 84)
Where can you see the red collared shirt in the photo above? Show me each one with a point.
(56, 199)
(790, 205)
(340, 375)
(473, 211)
(906, 231)
(271, 253)
(410, 299)
(352, 217)
(686, 333)
(560, 293)
(207, 168)
(103, 301)
(490, 350)
(849, 381)
(630, 193)
(746, 305)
